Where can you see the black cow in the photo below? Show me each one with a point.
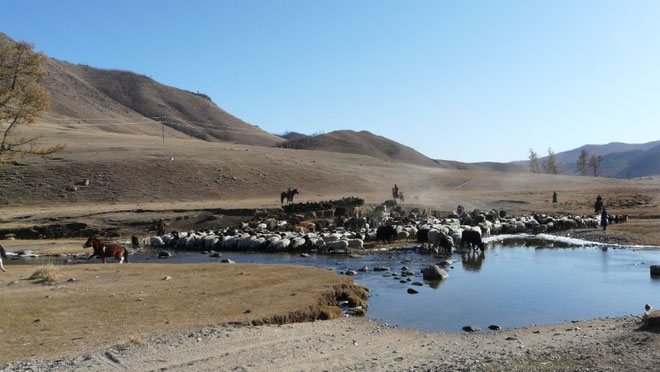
(422, 236)
(472, 239)
(385, 233)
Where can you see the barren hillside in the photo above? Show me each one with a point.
(125, 102)
(362, 143)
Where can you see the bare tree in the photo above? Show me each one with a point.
(551, 164)
(533, 162)
(594, 164)
(582, 161)
(22, 99)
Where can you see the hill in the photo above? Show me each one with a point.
(361, 143)
(620, 160)
(126, 102)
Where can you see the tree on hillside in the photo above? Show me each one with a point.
(22, 99)
(582, 161)
(594, 164)
(533, 162)
(551, 164)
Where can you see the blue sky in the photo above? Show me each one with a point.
(461, 80)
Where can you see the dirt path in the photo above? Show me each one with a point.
(364, 344)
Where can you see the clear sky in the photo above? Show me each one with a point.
(461, 80)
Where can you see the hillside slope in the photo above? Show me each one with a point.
(361, 143)
(126, 102)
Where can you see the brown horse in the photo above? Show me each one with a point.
(105, 249)
(288, 195)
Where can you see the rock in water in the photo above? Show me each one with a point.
(494, 327)
(412, 291)
(226, 260)
(381, 268)
(652, 319)
(164, 254)
(471, 329)
(434, 273)
(364, 268)
(351, 272)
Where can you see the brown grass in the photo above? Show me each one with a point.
(47, 274)
(115, 304)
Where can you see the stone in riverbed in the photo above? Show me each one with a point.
(364, 268)
(351, 272)
(226, 260)
(215, 254)
(652, 319)
(494, 327)
(165, 254)
(381, 268)
(434, 273)
(419, 284)
(412, 291)
(471, 329)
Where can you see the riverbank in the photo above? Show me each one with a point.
(81, 308)
(362, 344)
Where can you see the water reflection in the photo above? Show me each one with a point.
(435, 284)
(472, 260)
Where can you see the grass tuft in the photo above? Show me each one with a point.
(47, 274)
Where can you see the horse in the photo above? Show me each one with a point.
(288, 195)
(105, 249)
(3, 254)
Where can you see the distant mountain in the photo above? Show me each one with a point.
(126, 102)
(646, 163)
(620, 160)
(292, 135)
(362, 143)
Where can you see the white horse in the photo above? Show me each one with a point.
(3, 254)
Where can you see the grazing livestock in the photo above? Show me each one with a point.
(106, 249)
(472, 239)
(3, 254)
(385, 233)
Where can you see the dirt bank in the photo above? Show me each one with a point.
(365, 344)
(109, 304)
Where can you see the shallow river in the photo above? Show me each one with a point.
(507, 286)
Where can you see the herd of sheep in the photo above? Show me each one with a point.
(342, 234)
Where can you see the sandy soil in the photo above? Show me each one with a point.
(364, 344)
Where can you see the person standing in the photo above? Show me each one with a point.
(603, 218)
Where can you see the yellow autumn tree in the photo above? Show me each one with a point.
(22, 99)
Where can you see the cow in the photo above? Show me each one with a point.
(472, 239)
(385, 233)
